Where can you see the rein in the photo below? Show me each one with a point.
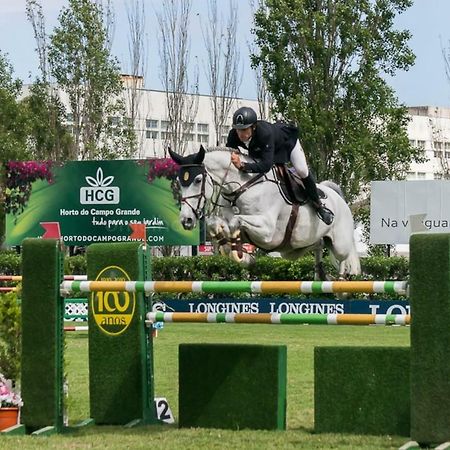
(230, 197)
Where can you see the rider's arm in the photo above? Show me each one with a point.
(264, 151)
(232, 140)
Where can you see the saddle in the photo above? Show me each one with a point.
(291, 186)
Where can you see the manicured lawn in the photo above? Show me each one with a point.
(300, 340)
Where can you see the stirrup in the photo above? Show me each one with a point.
(325, 214)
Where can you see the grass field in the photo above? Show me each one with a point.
(300, 340)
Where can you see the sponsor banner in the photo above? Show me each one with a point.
(399, 208)
(282, 306)
(96, 201)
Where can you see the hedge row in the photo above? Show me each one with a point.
(221, 268)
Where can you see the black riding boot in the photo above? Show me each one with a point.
(322, 211)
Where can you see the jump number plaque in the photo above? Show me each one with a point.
(113, 311)
(163, 411)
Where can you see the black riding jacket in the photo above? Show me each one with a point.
(270, 144)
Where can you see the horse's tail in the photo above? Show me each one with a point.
(352, 264)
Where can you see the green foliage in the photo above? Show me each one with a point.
(49, 138)
(222, 268)
(10, 263)
(75, 265)
(325, 65)
(10, 336)
(84, 69)
(383, 268)
(13, 130)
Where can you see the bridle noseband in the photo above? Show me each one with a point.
(199, 169)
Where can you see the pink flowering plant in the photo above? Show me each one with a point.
(163, 167)
(8, 398)
(19, 177)
(167, 168)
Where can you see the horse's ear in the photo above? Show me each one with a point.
(200, 156)
(176, 157)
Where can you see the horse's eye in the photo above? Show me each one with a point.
(198, 180)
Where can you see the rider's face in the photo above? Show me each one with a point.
(245, 134)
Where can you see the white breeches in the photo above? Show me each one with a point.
(298, 160)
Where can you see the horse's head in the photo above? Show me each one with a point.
(194, 187)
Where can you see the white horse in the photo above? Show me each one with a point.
(252, 205)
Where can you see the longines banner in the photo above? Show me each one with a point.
(95, 201)
(399, 208)
(288, 306)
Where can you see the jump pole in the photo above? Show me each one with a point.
(227, 287)
(281, 319)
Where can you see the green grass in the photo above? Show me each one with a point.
(300, 340)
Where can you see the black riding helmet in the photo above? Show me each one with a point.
(243, 118)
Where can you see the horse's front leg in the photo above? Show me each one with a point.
(260, 229)
(219, 231)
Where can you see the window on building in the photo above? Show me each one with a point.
(421, 144)
(188, 137)
(447, 154)
(412, 142)
(128, 122)
(165, 124)
(114, 120)
(411, 175)
(151, 134)
(203, 138)
(223, 139)
(189, 127)
(166, 136)
(447, 145)
(420, 175)
(437, 176)
(202, 127)
(70, 117)
(151, 123)
(438, 145)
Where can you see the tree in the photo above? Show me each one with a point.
(324, 63)
(13, 128)
(223, 62)
(137, 50)
(265, 100)
(81, 63)
(48, 136)
(174, 51)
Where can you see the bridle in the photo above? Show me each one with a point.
(198, 210)
(230, 197)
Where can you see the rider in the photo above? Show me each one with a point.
(272, 144)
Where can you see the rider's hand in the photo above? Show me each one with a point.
(236, 160)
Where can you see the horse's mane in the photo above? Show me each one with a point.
(220, 149)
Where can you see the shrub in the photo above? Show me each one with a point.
(10, 336)
(10, 263)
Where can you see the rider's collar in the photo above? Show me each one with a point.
(188, 172)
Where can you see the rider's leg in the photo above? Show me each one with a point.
(298, 160)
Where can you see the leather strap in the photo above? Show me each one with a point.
(290, 225)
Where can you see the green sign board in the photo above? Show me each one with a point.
(96, 201)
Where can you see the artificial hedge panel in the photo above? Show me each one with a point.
(232, 386)
(430, 337)
(362, 390)
(42, 314)
(120, 376)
